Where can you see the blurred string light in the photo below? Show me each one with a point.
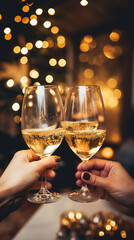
(25, 8)
(49, 78)
(47, 24)
(84, 3)
(51, 11)
(10, 83)
(39, 11)
(24, 50)
(33, 22)
(114, 36)
(7, 30)
(16, 106)
(54, 29)
(0, 16)
(107, 152)
(52, 62)
(39, 44)
(34, 73)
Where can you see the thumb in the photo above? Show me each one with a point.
(94, 180)
(46, 163)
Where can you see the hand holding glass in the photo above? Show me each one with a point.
(42, 115)
(85, 129)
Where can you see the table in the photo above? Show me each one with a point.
(45, 222)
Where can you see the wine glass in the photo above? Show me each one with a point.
(41, 120)
(85, 129)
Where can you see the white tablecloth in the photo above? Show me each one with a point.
(45, 222)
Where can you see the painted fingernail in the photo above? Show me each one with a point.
(58, 159)
(86, 176)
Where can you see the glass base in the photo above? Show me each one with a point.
(41, 198)
(84, 195)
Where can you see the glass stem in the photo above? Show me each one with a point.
(43, 188)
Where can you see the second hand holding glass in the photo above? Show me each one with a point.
(42, 116)
(85, 129)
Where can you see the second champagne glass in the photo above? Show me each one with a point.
(85, 129)
(41, 120)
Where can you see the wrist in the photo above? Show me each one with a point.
(5, 192)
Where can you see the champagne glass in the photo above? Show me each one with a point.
(85, 129)
(41, 119)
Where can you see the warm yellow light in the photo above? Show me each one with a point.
(84, 3)
(51, 11)
(54, 29)
(30, 104)
(25, 8)
(29, 45)
(17, 19)
(52, 62)
(89, 73)
(114, 36)
(33, 22)
(0, 16)
(108, 227)
(39, 11)
(10, 83)
(112, 52)
(24, 80)
(24, 50)
(45, 44)
(8, 36)
(39, 44)
(16, 49)
(117, 93)
(123, 234)
(101, 233)
(61, 39)
(24, 60)
(17, 119)
(34, 73)
(62, 62)
(64, 222)
(88, 38)
(7, 30)
(16, 106)
(71, 215)
(112, 223)
(49, 78)
(107, 152)
(33, 16)
(25, 20)
(61, 45)
(84, 47)
(112, 82)
(47, 24)
(112, 102)
(78, 215)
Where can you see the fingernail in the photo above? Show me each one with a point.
(86, 176)
(58, 159)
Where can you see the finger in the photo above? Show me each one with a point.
(94, 180)
(78, 174)
(98, 164)
(79, 183)
(49, 173)
(46, 163)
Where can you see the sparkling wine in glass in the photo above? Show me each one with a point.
(41, 126)
(85, 129)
